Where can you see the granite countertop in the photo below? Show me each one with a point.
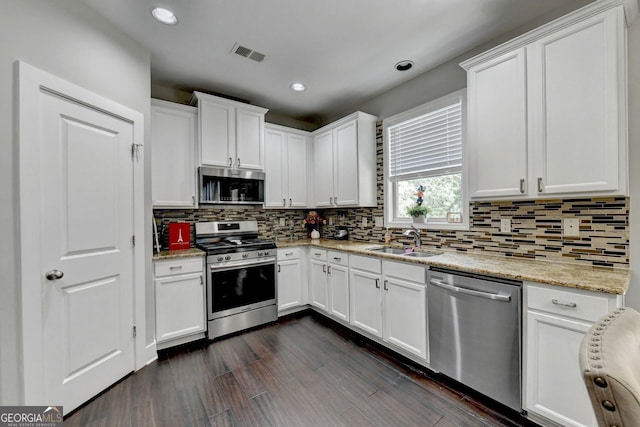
(572, 275)
(182, 253)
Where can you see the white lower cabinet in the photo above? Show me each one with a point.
(556, 321)
(389, 300)
(365, 302)
(338, 285)
(180, 301)
(291, 285)
(405, 307)
(318, 295)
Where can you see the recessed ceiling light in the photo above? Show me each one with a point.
(404, 65)
(164, 15)
(297, 87)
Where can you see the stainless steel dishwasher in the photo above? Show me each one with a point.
(475, 332)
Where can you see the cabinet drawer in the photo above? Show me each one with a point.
(372, 265)
(318, 254)
(339, 258)
(178, 266)
(574, 303)
(412, 273)
(288, 253)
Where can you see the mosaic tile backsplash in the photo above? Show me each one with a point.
(536, 226)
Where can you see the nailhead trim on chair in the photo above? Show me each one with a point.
(595, 354)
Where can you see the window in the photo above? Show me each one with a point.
(424, 149)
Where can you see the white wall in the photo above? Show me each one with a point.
(68, 40)
(633, 296)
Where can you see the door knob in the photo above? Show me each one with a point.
(54, 274)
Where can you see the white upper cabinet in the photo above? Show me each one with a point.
(231, 133)
(498, 126)
(173, 165)
(547, 111)
(288, 164)
(577, 81)
(344, 155)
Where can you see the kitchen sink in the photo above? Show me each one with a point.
(399, 251)
(423, 254)
(385, 250)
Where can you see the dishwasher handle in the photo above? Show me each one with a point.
(452, 288)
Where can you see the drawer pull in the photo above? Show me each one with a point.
(288, 254)
(337, 258)
(564, 304)
(317, 254)
(175, 267)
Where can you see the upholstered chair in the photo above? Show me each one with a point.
(610, 363)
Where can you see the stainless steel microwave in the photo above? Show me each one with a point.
(231, 186)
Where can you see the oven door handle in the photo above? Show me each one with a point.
(235, 265)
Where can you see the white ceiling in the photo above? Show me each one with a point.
(343, 50)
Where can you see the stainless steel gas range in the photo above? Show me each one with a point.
(241, 276)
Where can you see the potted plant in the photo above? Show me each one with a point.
(418, 213)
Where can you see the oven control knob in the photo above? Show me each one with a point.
(260, 253)
(245, 255)
(219, 258)
(227, 258)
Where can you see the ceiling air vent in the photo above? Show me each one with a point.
(248, 53)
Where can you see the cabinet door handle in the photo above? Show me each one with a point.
(238, 164)
(540, 188)
(378, 283)
(278, 268)
(284, 202)
(324, 268)
(328, 269)
(201, 281)
(230, 162)
(522, 186)
(290, 202)
(193, 200)
(386, 285)
(564, 304)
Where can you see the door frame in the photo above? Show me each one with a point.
(31, 81)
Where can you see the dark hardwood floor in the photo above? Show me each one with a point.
(301, 371)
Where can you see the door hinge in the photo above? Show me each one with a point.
(135, 150)
(135, 331)
(133, 240)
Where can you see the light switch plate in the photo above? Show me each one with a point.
(505, 225)
(571, 227)
(283, 222)
(364, 221)
(330, 220)
(379, 221)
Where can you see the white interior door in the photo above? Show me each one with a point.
(86, 216)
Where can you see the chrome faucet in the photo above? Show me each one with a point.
(415, 232)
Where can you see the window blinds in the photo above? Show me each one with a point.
(427, 145)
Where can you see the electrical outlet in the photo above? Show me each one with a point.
(379, 221)
(330, 220)
(571, 227)
(283, 222)
(505, 225)
(364, 221)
